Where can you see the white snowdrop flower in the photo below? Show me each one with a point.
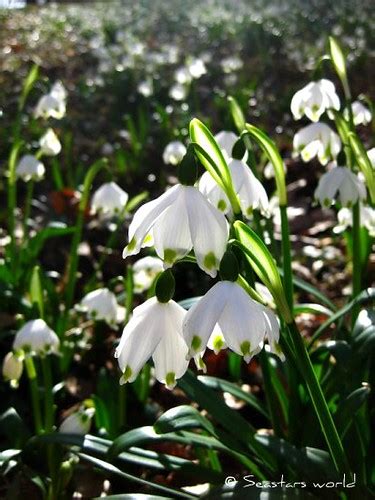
(50, 144)
(340, 183)
(52, 105)
(272, 332)
(101, 304)
(174, 152)
(314, 99)
(155, 329)
(78, 422)
(182, 76)
(249, 189)
(49, 106)
(36, 337)
(109, 199)
(226, 140)
(145, 271)
(181, 219)
(317, 139)
(30, 168)
(361, 114)
(345, 219)
(178, 92)
(12, 368)
(371, 156)
(196, 68)
(146, 88)
(241, 320)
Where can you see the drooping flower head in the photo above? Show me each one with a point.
(109, 199)
(30, 168)
(36, 337)
(314, 99)
(181, 219)
(101, 304)
(342, 184)
(78, 422)
(361, 114)
(12, 368)
(317, 139)
(50, 144)
(52, 105)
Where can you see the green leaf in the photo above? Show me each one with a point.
(312, 309)
(348, 408)
(28, 84)
(272, 153)
(339, 64)
(363, 163)
(102, 417)
(53, 230)
(233, 389)
(181, 418)
(36, 291)
(263, 264)
(237, 115)
(137, 200)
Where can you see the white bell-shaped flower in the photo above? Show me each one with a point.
(52, 105)
(155, 329)
(12, 368)
(109, 199)
(30, 168)
(342, 184)
(181, 219)
(101, 304)
(145, 272)
(249, 189)
(361, 114)
(78, 422)
(242, 321)
(317, 139)
(49, 143)
(314, 99)
(174, 152)
(36, 337)
(345, 219)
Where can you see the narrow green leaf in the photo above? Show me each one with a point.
(338, 60)
(181, 418)
(363, 163)
(28, 84)
(237, 115)
(36, 290)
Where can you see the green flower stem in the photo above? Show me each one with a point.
(12, 197)
(129, 285)
(356, 271)
(320, 405)
(287, 259)
(32, 376)
(27, 210)
(73, 264)
(48, 395)
(271, 397)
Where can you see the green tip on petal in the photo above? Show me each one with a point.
(130, 246)
(210, 261)
(218, 344)
(245, 350)
(170, 380)
(222, 205)
(126, 375)
(196, 343)
(170, 256)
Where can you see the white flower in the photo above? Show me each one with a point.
(58, 91)
(178, 92)
(101, 304)
(314, 99)
(371, 156)
(249, 189)
(36, 337)
(30, 168)
(155, 329)
(146, 88)
(345, 219)
(52, 104)
(78, 422)
(174, 152)
(226, 140)
(318, 140)
(12, 368)
(361, 114)
(197, 68)
(109, 199)
(341, 183)
(145, 271)
(181, 219)
(269, 171)
(183, 76)
(231, 63)
(49, 143)
(244, 323)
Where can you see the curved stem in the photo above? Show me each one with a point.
(32, 375)
(320, 405)
(356, 271)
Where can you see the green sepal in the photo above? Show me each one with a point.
(165, 286)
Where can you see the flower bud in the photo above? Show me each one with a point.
(78, 422)
(12, 368)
